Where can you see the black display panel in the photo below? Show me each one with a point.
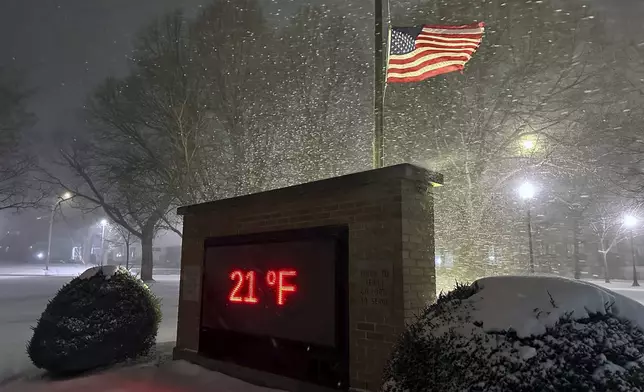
(278, 302)
(281, 289)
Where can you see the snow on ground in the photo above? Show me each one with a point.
(173, 376)
(619, 285)
(71, 270)
(107, 270)
(39, 270)
(23, 298)
(530, 304)
(523, 333)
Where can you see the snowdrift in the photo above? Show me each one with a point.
(528, 333)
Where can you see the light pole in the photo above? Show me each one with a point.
(630, 221)
(60, 199)
(103, 225)
(526, 192)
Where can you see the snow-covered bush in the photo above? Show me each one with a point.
(522, 334)
(102, 317)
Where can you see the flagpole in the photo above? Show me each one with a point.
(379, 90)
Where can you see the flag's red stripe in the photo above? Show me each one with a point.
(393, 60)
(447, 41)
(443, 56)
(426, 75)
(450, 48)
(452, 27)
(443, 36)
(422, 65)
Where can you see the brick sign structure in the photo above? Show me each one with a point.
(308, 287)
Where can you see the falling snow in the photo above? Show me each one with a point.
(523, 334)
(137, 109)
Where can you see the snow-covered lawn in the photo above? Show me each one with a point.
(626, 285)
(72, 270)
(173, 376)
(39, 270)
(23, 298)
(529, 306)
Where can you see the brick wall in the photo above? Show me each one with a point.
(418, 262)
(391, 251)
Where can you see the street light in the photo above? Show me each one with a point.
(528, 143)
(526, 192)
(103, 225)
(630, 222)
(60, 199)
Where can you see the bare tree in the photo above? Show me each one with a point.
(160, 112)
(608, 225)
(103, 181)
(15, 161)
(120, 237)
(135, 161)
(322, 90)
(284, 106)
(528, 82)
(613, 125)
(233, 48)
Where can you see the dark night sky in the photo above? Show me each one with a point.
(67, 46)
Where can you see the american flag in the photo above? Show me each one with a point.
(418, 53)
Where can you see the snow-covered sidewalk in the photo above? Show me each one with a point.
(39, 270)
(72, 271)
(618, 284)
(173, 376)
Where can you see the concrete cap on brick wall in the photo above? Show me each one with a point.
(386, 174)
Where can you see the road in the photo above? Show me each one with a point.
(22, 300)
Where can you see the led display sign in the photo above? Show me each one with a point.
(278, 302)
(279, 289)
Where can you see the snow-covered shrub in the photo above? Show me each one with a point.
(100, 318)
(522, 334)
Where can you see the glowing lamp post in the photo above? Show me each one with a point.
(527, 144)
(630, 222)
(527, 192)
(104, 224)
(60, 199)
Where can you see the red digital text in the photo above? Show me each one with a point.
(245, 285)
